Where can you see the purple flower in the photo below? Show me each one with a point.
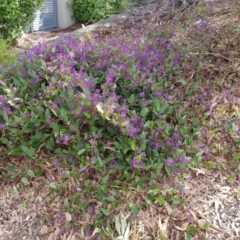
(71, 54)
(171, 164)
(133, 132)
(91, 210)
(190, 217)
(1, 126)
(137, 164)
(62, 231)
(64, 139)
(48, 120)
(180, 159)
(177, 60)
(94, 159)
(84, 169)
(170, 141)
(89, 234)
(57, 164)
(80, 145)
(6, 109)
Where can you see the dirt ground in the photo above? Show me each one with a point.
(214, 198)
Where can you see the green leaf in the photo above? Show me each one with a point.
(234, 127)
(41, 185)
(29, 151)
(64, 114)
(55, 126)
(50, 144)
(200, 153)
(4, 140)
(157, 105)
(231, 177)
(131, 99)
(105, 211)
(25, 181)
(54, 112)
(25, 205)
(134, 209)
(53, 185)
(100, 162)
(105, 179)
(222, 167)
(110, 198)
(38, 135)
(236, 156)
(183, 81)
(11, 168)
(153, 175)
(80, 152)
(43, 63)
(209, 164)
(161, 200)
(53, 80)
(143, 146)
(87, 115)
(31, 173)
(86, 91)
(144, 112)
(15, 151)
(47, 113)
(132, 144)
(66, 203)
(63, 185)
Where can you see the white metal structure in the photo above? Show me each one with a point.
(53, 14)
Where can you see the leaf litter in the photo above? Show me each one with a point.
(213, 195)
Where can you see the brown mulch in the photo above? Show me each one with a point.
(59, 32)
(214, 198)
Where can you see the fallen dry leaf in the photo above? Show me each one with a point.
(44, 230)
(68, 217)
(198, 170)
(56, 232)
(183, 227)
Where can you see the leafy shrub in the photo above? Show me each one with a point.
(16, 16)
(7, 54)
(114, 111)
(94, 10)
(108, 106)
(118, 113)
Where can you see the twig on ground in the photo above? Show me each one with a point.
(35, 235)
(213, 54)
(20, 230)
(234, 237)
(211, 225)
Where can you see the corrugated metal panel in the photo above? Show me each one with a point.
(46, 18)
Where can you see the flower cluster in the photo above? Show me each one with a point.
(118, 97)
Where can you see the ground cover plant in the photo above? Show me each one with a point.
(7, 52)
(121, 115)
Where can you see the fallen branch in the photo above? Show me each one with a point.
(235, 237)
(213, 54)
